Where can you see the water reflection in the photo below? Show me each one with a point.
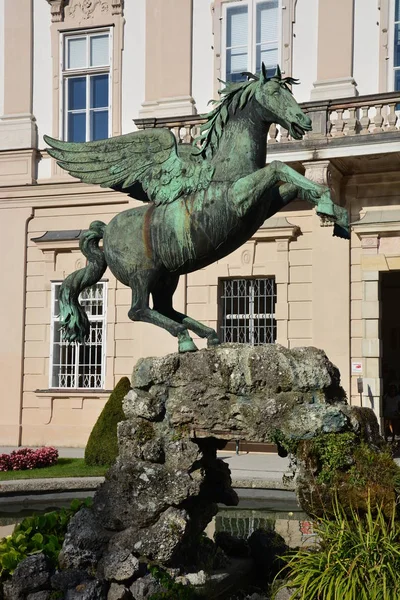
(295, 527)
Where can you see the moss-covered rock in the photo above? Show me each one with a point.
(102, 446)
(345, 467)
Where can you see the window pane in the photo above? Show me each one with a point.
(76, 53)
(77, 127)
(267, 56)
(236, 64)
(99, 91)
(267, 22)
(99, 53)
(397, 11)
(99, 125)
(237, 26)
(76, 93)
(396, 60)
(397, 83)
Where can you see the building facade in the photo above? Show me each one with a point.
(83, 70)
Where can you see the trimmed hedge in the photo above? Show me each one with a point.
(102, 446)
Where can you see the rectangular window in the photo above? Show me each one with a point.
(86, 86)
(248, 311)
(74, 365)
(251, 37)
(396, 50)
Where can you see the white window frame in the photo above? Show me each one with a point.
(55, 319)
(83, 72)
(251, 32)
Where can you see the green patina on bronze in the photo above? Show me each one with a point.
(201, 203)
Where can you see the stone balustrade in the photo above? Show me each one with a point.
(356, 116)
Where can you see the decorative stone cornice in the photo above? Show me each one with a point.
(81, 11)
(378, 223)
(277, 228)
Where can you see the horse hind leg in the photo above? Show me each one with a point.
(163, 303)
(141, 311)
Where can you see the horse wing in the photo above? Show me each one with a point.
(143, 164)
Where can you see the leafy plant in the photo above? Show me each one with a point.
(171, 589)
(39, 533)
(102, 446)
(333, 450)
(357, 557)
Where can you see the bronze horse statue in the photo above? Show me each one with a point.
(201, 203)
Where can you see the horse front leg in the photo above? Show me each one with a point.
(248, 190)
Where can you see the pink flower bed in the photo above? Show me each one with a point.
(26, 458)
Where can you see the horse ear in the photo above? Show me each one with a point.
(263, 74)
(278, 73)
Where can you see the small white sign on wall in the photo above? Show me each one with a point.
(356, 368)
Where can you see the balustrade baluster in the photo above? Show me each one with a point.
(284, 136)
(351, 124)
(365, 120)
(391, 117)
(273, 132)
(378, 119)
(338, 124)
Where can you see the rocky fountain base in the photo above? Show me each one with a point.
(165, 485)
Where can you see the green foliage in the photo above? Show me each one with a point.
(39, 533)
(357, 558)
(102, 446)
(374, 468)
(180, 432)
(171, 589)
(334, 451)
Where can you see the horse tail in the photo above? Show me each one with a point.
(74, 322)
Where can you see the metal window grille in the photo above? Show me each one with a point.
(76, 365)
(248, 311)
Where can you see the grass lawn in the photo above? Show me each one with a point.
(65, 467)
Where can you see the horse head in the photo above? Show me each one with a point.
(279, 105)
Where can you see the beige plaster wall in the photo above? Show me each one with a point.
(168, 86)
(335, 34)
(13, 224)
(371, 254)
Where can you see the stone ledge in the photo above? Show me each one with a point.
(21, 486)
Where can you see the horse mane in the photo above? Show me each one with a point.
(233, 96)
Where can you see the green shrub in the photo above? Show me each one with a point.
(39, 533)
(357, 557)
(102, 446)
(334, 451)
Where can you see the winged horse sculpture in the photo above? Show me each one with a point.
(200, 203)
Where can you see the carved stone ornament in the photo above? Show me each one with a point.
(85, 9)
(57, 10)
(81, 11)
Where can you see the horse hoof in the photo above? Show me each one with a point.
(213, 341)
(187, 346)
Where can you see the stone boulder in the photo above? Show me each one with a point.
(164, 487)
